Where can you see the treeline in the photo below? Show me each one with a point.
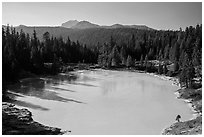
(21, 52)
(90, 37)
(181, 48)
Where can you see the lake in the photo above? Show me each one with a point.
(102, 102)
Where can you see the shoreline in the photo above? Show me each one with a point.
(195, 123)
(176, 125)
(193, 126)
(196, 114)
(175, 82)
(17, 121)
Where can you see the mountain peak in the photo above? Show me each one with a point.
(74, 24)
(22, 25)
(70, 23)
(117, 26)
(79, 24)
(85, 25)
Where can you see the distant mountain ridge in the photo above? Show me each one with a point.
(74, 24)
(87, 33)
(90, 36)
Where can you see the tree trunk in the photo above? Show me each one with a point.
(186, 83)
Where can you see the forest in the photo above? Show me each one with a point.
(183, 48)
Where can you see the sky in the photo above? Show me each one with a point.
(155, 15)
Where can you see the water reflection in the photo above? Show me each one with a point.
(116, 102)
(142, 85)
(108, 87)
(13, 95)
(43, 88)
(63, 77)
(83, 84)
(86, 78)
(62, 89)
(29, 105)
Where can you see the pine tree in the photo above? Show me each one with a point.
(165, 69)
(160, 70)
(123, 55)
(176, 66)
(146, 59)
(129, 61)
(115, 56)
(187, 72)
(141, 60)
(35, 53)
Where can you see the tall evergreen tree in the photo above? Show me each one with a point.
(115, 56)
(129, 61)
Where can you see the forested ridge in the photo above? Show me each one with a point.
(183, 48)
(24, 52)
(90, 36)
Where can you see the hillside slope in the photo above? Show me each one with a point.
(90, 36)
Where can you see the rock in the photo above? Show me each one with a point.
(19, 122)
(190, 127)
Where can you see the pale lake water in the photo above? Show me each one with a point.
(102, 102)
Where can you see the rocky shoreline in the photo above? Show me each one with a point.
(194, 98)
(19, 122)
(194, 125)
(191, 96)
